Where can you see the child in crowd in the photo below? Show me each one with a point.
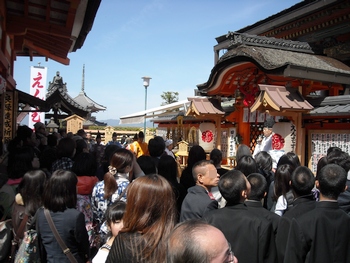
(114, 221)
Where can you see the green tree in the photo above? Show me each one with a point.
(169, 97)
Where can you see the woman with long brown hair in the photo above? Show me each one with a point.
(148, 220)
(114, 183)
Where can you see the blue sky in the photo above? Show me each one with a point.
(170, 41)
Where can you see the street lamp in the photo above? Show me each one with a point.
(145, 84)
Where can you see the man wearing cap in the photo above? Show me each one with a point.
(168, 147)
(264, 143)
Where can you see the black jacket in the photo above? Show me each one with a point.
(251, 236)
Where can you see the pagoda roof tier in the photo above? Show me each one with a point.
(84, 100)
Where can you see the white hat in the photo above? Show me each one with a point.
(168, 142)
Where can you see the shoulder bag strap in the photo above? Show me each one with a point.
(22, 226)
(63, 246)
(16, 239)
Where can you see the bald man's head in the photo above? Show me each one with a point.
(197, 241)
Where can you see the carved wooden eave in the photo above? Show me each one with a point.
(280, 99)
(49, 29)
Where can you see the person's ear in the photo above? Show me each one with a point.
(265, 193)
(290, 183)
(244, 194)
(200, 178)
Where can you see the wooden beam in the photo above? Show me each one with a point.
(17, 25)
(46, 53)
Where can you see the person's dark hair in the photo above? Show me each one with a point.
(195, 154)
(167, 167)
(303, 181)
(114, 134)
(85, 165)
(47, 157)
(283, 175)
(263, 161)
(147, 164)
(60, 192)
(141, 135)
(20, 161)
(289, 158)
(334, 149)
(231, 184)
(320, 164)
(66, 148)
(52, 140)
(109, 151)
(31, 189)
(216, 157)
(114, 212)
(80, 145)
(258, 186)
(156, 146)
(242, 150)
(183, 244)
(120, 160)
(332, 181)
(81, 132)
(247, 165)
(200, 163)
(339, 157)
(150, 210)
(24, 134)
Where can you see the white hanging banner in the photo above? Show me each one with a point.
(37, 89)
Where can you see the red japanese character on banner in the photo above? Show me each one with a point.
(35, 117)
(37, 81)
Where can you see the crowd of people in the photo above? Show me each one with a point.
(131, 203)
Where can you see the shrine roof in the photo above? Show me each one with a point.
(275, 60)
(58, 97)
(204, 106)
(272, 58)
(331, 106)
(94, 123)
(280, 98)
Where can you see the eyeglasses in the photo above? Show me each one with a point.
(230, 256)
